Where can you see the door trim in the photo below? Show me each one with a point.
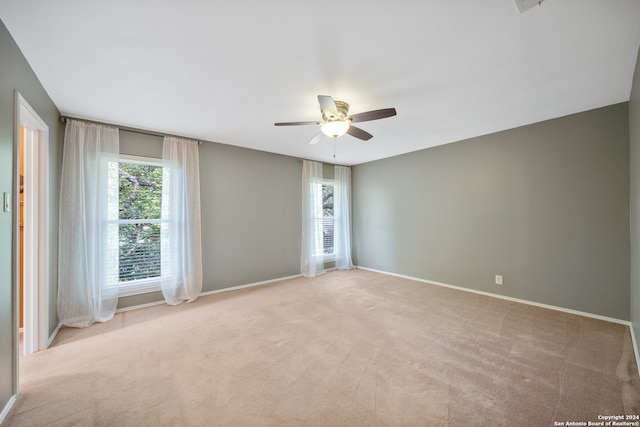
(36, 226)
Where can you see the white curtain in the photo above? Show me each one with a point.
(312, 259)
(87, 263)
(342, 217)
(181, 248)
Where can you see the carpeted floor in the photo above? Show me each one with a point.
(349, 348)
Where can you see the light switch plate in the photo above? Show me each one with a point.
(6, 203)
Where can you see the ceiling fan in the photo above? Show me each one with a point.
(336, 121)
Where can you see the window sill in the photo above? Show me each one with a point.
(127, 291)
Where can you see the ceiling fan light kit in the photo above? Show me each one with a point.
(336, 121)
(335, 128)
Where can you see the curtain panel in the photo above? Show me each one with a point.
(87, 267)
(181, 247)
(312, 256)
(342, 218)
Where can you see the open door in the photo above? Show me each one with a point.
(33, 191)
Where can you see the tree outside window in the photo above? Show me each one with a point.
(327, 218)
(140, 205)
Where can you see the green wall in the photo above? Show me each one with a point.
(251, 215)
(544, 205)
(16, 75)
(250, 209)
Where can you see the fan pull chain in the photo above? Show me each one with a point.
(334, 147)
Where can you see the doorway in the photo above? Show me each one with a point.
(31, 197)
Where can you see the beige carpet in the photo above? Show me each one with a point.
(350, 348)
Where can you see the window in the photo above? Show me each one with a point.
(139, 222)
(327, 218)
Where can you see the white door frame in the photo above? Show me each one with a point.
(36, 227)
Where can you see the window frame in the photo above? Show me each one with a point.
(149, 284)
(329, 257)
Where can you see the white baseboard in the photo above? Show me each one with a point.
(635, 347)
(250, 285)
(7, 408)
(54, 334)
(216, 291)
(136, 307)
(489, 294)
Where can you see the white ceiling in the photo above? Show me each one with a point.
(225, 71)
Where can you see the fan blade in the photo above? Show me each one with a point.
(316, 138)
(359, 133)
(373, 115)
(327, 105)
(297, 123)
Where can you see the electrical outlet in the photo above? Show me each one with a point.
(498, 279)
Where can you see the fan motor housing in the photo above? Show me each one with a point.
(343, 111)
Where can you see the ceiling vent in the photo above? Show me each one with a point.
(527, 4)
